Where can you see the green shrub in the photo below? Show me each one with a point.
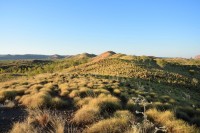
(153, 95)
(124, 97)
(162, 106)
(188, 110)
(164, 99)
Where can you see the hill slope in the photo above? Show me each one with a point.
(145, 69)
(110, 94)
(103, 56)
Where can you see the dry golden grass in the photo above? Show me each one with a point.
(49, 87)
(84, 101)
(90, 112)
(98, 100)
(23, 127)
(112, 125)
(168, 119)
(87, 114)
(7, 94)
(10, 94)
(63, 86)
(37, 100)
(40, 121)
(36, 87)
(130, 105)
(134, 130)
(106, 102)
(117, 91)
(64, 93)
(64, 89)
(124, 114)
(74, 93)
(101, 91)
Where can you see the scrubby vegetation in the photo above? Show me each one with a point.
(23, 68)
(111, 94)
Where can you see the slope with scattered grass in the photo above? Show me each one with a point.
(119, 93)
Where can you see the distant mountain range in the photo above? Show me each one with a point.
(31, 56)
(56, 56)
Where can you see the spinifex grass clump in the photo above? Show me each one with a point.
(10, 94)
(172, 124)
(87, 114)
(39, 121)
(92, 110)
(41, 99)
(114, 125)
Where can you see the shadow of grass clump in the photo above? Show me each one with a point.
(188, 114)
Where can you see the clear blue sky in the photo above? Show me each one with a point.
(139, 27)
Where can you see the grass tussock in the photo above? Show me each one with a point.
(74, 93)
(168, 119)
(106, 102)
(83, 101)
(117, 91)
(95, 107)
(40, 121)
(124, 114)
(86, 115)
(22, 127)
(131, 105)
(57, 102)
(112, 125)
(7, 94)
(38, 100)
(64, 89)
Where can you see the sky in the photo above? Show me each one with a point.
(164, 28)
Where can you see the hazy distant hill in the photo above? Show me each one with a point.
(83, 55)
(30, 56)
(197, 57)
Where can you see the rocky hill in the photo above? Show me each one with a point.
(103, 56)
